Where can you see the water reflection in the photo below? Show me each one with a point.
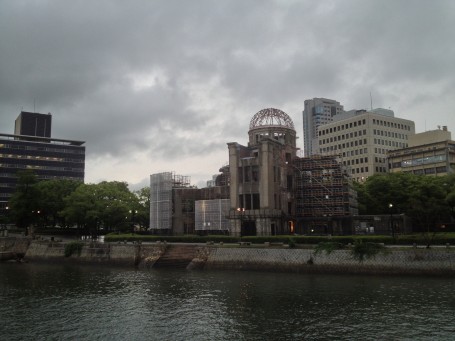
(44, 302)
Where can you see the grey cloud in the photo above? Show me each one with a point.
(78, 60)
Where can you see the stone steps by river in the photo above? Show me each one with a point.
(176, 256)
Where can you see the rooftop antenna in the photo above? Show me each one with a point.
(34, 105)
(371, 101)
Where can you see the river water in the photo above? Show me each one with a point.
(60, 302)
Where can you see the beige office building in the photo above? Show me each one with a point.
(429, 153)
(362, 139)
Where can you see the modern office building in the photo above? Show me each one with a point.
(428, 153)
(33, 124)
(47, 157)
(363, 138)
(317, 112)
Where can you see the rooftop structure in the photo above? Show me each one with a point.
(33, 124)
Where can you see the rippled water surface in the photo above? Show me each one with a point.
(58, 302)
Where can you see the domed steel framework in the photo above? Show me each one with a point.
(271, 117)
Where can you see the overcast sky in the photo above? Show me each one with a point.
(156, 86)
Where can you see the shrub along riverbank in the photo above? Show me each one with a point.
(293, 240)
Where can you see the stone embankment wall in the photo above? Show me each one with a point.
(93, 252)
(12, 248)
(436, 261)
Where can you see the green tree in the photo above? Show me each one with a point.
(143, 215)
(106, 205)
(24, 203)
(51, 196)
(428, 206)
(380, 190)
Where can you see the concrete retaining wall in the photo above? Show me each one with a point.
(13, 244)
(92, 252)
(413, 261)
(438, 261)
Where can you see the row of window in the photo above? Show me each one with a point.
(390, 134)
(344, 145)
(350, 135)
(359, 170)
(359, 123)
(249, 201)
(392, 124)
(41, 158)
(436, 170)
(47, 149)
(64, 169)
(248, 173)
(342, 127)
(381, 151)
(355, 152)
(419, 161)
(390, 143)
(355, 161)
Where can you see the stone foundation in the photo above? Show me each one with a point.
(434, 261)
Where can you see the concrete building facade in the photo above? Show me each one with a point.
(47, 157)
(317, 112)
(362, 140)
(428, 153)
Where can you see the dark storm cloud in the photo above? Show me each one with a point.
(173, 79)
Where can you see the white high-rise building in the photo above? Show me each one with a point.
(317, 112)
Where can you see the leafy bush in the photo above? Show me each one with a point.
(367, 250)
(73, 247)
(291, 242)
(328, 247)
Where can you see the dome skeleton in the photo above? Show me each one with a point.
(271, 117)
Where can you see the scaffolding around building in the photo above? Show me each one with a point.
(161, 185)
(323, 191)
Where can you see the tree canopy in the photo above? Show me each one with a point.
(109, 204)
(428, 200)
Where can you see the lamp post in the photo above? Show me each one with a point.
(241, 211)
(132, 213)
(391, 221)
(4, 222)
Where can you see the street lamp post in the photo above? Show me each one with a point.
(391, 221)
(132, 213)
(241, 211)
